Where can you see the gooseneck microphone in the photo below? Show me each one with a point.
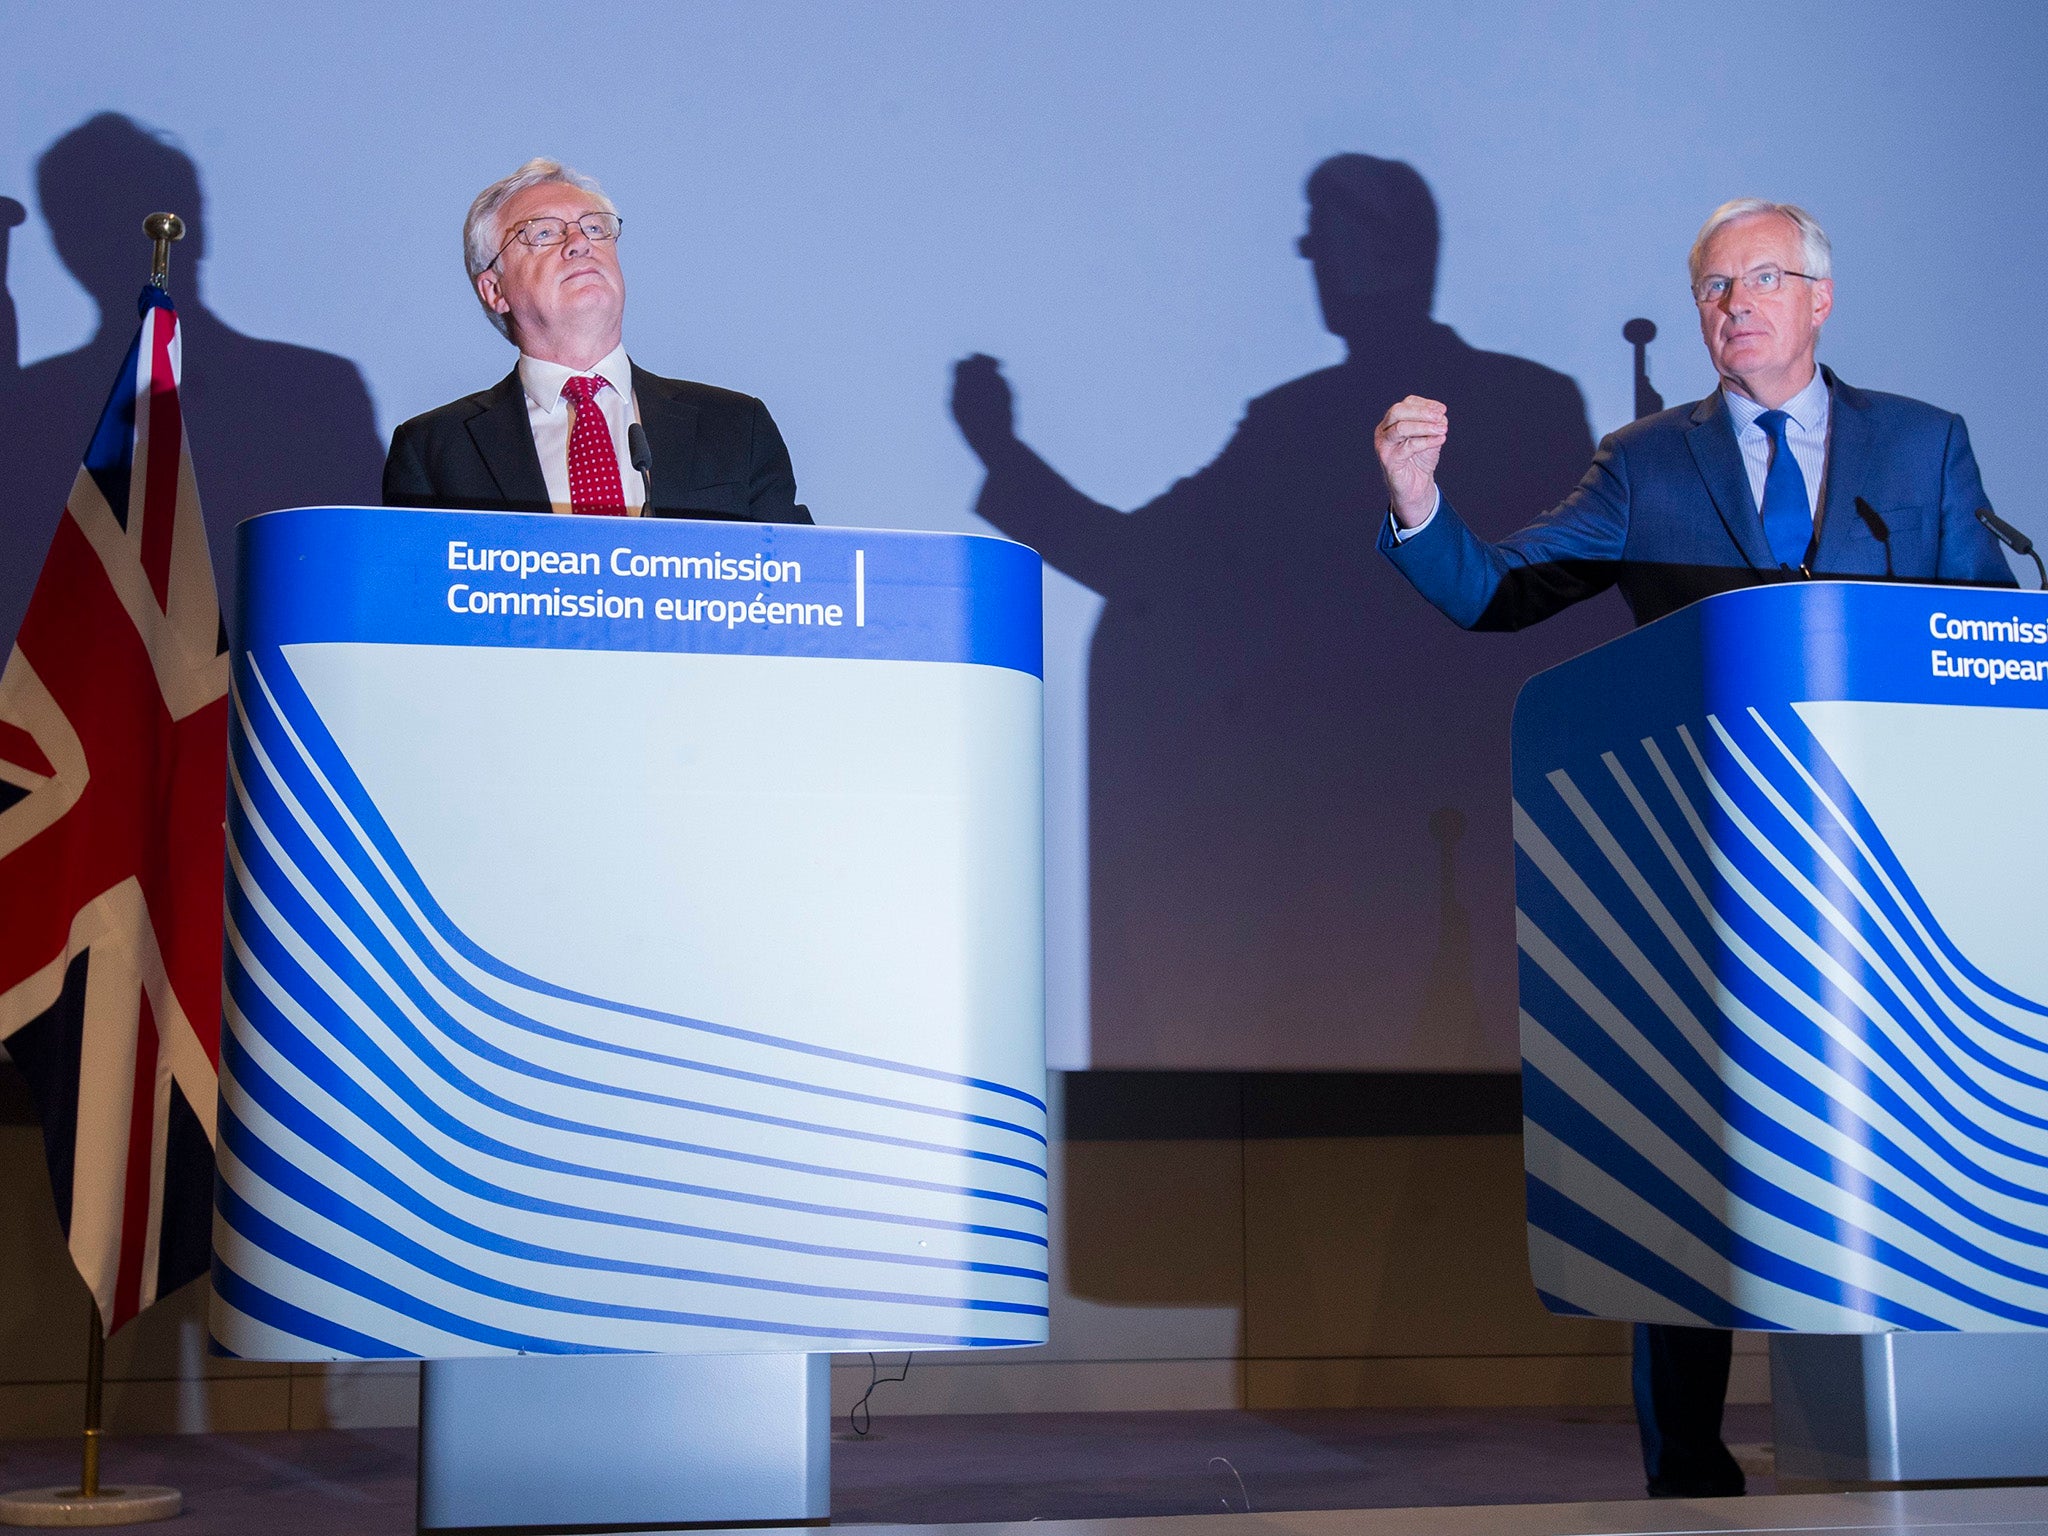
(2013, 540)
(1880, 530)
(643, 460)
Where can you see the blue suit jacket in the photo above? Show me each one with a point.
(1666, 514)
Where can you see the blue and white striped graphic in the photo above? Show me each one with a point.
(431, 1146)
(1765, 1085)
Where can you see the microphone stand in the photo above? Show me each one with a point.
(643, 460)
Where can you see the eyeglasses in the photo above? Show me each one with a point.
(542, 233)
(1758, 282)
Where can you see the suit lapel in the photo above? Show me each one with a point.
(671, 427)
(1851, 447)
(1714, 450)
(504, 437)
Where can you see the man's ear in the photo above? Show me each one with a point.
(1823, 301)
(493, 296)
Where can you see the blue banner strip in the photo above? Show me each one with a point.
(407, 577)
(1793, 641)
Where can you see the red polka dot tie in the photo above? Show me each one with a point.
(594, 487)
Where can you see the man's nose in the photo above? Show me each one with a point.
(575, 242)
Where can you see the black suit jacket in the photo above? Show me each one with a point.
(716, 454)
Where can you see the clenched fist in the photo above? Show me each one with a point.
(1409, 440)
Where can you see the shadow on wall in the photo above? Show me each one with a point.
(271, 425)
(1300, 845)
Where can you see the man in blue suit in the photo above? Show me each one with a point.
(1783, 473)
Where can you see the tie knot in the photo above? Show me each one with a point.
(578, 392)
(1773, 422)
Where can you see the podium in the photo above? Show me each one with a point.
(634, 986)
(1785, 1006)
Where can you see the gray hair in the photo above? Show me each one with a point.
(481, 236)
(1816, 255)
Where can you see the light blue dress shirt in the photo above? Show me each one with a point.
(1806, 434)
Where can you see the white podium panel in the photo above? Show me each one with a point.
(634, 940)
(1784, 1001)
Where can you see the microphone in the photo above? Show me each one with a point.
(2012, 539)
(1879, 530)
(642, 458)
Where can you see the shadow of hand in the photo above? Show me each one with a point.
(983, 406)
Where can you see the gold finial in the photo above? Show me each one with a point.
(163, 228)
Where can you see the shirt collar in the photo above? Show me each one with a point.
(1808, 409)
(543, 380)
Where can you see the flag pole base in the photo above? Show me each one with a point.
(69, 1507)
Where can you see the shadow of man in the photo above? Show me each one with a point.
(271, 425)
(1275, 722)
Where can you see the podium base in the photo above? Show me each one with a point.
(540, 1442)
(1868, 1410)
(49, 1507)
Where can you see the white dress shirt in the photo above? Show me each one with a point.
(552, 418)
(1806, 434)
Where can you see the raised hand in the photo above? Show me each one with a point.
(982, 405)
(1409, 441)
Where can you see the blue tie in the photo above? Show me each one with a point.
(1788, 516)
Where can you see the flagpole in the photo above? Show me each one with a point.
(95, 1378)
(89, 1503)
(163, 228)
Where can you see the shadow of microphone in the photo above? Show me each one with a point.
(1880, 530)
(1639, 333)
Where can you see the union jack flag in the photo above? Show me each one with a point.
(113, 774)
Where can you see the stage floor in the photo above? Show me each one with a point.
(1077, 1466)
(1928, 1512)
(1448, 1472)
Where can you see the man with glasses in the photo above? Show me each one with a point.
(542, 250)
(1761, 481)
(1784, 472)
